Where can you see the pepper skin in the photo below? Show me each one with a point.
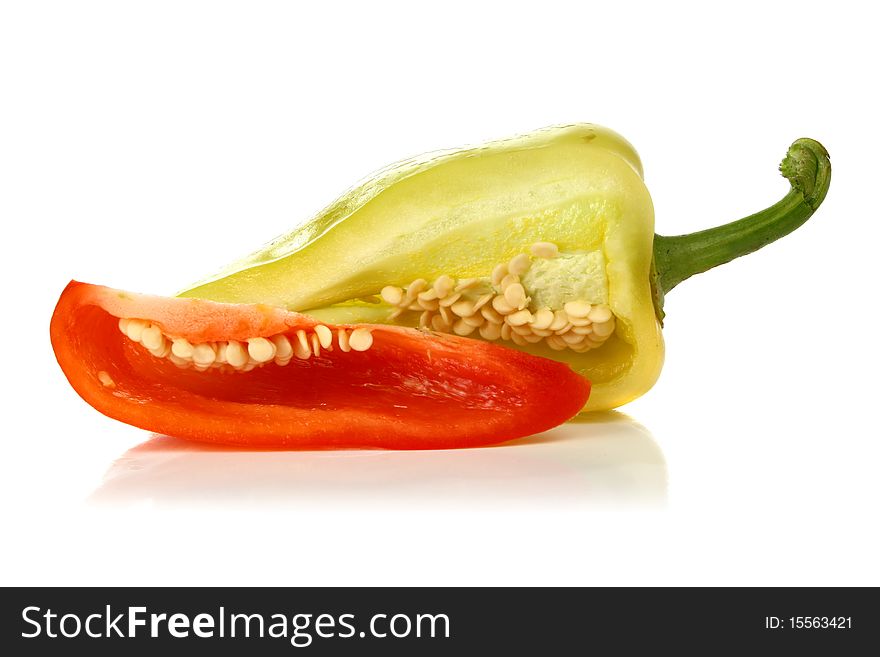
(461, 213)
(406, 391)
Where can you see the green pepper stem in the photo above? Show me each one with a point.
(806, 166)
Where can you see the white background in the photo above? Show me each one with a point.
(143, 145)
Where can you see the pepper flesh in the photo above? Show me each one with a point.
(462, 212)
(408, 391)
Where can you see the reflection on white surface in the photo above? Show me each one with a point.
(605, 460)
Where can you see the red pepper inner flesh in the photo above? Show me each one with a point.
(409, 390)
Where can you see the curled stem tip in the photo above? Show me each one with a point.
(806, 166)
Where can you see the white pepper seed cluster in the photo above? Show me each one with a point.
(498, 308)
(243, 356)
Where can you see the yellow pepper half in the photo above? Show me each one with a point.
(462, 213)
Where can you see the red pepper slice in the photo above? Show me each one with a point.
(410, 390)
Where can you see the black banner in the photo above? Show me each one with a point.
(408, 621)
